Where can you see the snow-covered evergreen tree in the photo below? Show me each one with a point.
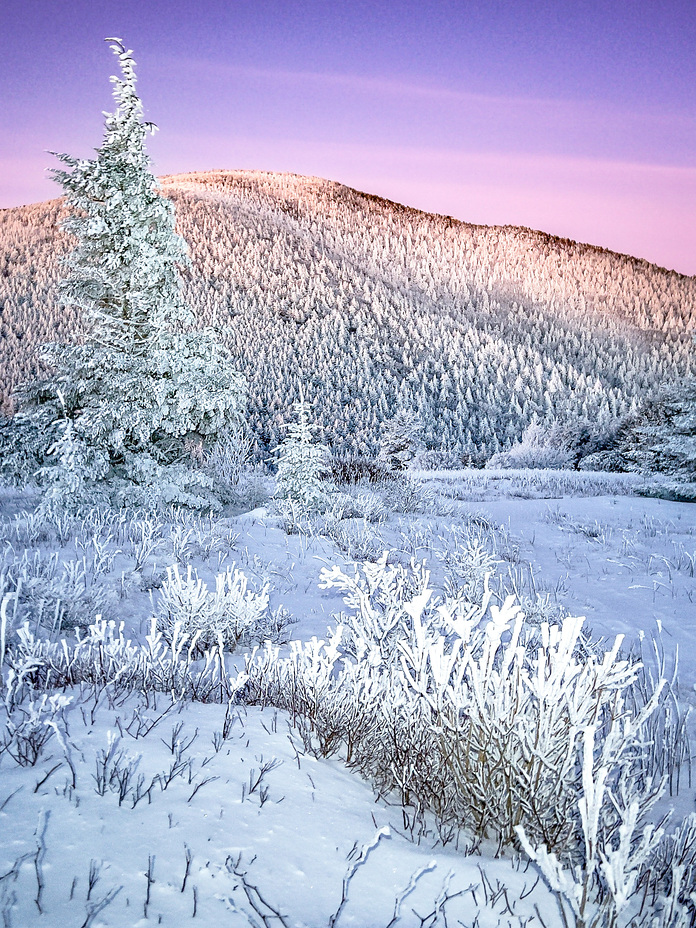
(66, 485)
(401, 439)
(143, 388)
(302, 462)
(664, 437)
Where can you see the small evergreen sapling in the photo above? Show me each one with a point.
(143, 387)
(66, 489)
(302, 463)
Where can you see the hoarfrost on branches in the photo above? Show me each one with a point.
(143, 389)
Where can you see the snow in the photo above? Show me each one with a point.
(254, 809)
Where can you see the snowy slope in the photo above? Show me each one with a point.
(234, 820)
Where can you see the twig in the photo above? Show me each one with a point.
(41, 782)
(350, 873)
(96, 907)
(189, 858)
(41, 827)
(14, 793)
(250, 891)
(149, 875)
(408, 889)
(198, 786)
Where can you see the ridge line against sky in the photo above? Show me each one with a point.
(575, 118)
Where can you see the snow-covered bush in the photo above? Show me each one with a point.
(596, 885)
(470, 560)
(30, 724)
(102, 656)
(228, 615)
(401, 440)
(235, 478)
(540, 446)
(671, 876)
(461, 711)
(343, 506)
(60, 594)
(365, 505)
(228, 457)
(430, 460)
(371, 507)
(408, 495)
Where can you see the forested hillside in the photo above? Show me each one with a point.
(372, 306)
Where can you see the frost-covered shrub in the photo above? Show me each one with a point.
(229, 615)
(358, 505)
(460, 711)
(30, 724)
(103, 656)
(671, 876)
(408, 496)
(294, 518)
(542, 447)
(371, 507)
(539, 610)
(437, 460)
(144, 539)
(343, 506)
(60, 594)
(235, 479)
(401, 440)
(228, 457)
(470, 560)
(355, 537)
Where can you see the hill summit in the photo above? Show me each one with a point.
(372, 307)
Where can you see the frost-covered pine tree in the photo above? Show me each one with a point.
(143, 388)
(302, 462)
(401, 439)
(663, 441)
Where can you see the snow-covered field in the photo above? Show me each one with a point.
(126, 808)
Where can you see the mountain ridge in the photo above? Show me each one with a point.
(374, 306)
(174, 179)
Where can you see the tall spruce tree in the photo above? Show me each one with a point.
(142, 389)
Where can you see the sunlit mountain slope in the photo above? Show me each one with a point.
(374, 306)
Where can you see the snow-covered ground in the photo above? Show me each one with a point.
(145, 810)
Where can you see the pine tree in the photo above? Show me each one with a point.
(401, 439)
(302, 463)
(143, 389)
(664, 438)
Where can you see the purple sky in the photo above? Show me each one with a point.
(571, 116)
